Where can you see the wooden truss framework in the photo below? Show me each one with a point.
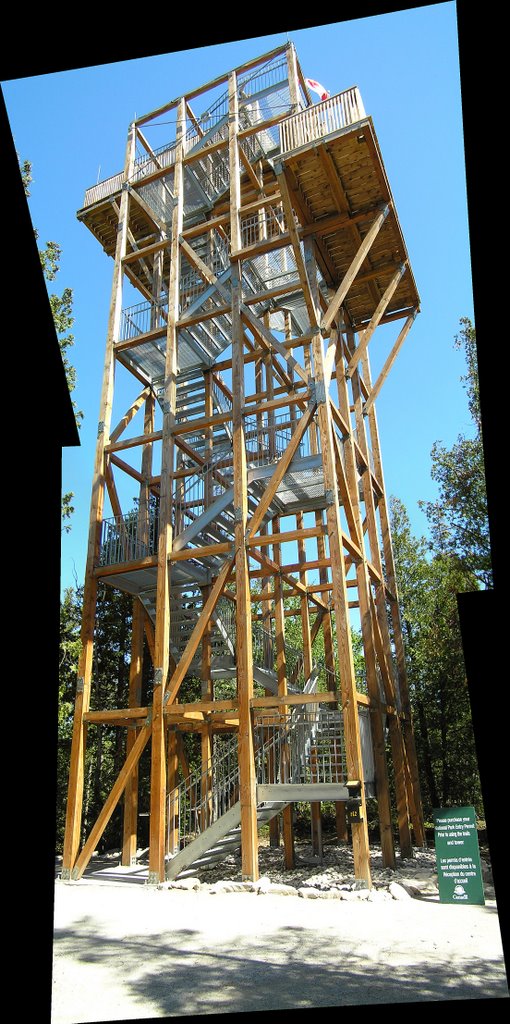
(320, 377)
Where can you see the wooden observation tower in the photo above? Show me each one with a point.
(261, 248)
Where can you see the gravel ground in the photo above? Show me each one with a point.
(311, 937)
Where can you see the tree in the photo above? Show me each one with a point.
(62, 311)
(428, 585)
(458, 518)
(70, 619)
(105, 744)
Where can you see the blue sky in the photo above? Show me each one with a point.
(72, 126)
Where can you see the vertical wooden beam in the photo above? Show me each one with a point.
(207, 687)
(82, 702)
(162, 633)
(367, 630)
(129, 845)
(293, 78)
(327, 628)
(172, 769)
(361, 851)
(381, 612)
(247, 780)
(414, 789)
(206, 731)
(264, 378)
(315, 805)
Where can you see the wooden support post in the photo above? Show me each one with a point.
(361, 851)
(162, 636)
(374, 322)
(172, 770)
(281, 669)
(413, 780)
(293, 78)
(367, 630)
(315, 805)
(264, 379)
(130, 826)
(381, 625)
(82, 702)
(327, 628)
(206, 751)
(206, 732)
(349, 277)
(137, 641)
(207, 686)
(389, 362)
(247, 780)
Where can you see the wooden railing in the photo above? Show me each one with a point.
(103, 189)
(108, 187)
(314, 122)
(321, 119)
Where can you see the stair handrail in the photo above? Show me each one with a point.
(205, 794)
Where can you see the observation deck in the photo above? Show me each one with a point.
(328, 158)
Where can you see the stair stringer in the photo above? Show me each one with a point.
(204, 842)
(218, 841)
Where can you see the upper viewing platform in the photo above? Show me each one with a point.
(271, 125)
(306, 169)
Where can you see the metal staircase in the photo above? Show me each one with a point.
(205, 811)
(203, 501)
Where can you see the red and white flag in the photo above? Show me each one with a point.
(318, 88)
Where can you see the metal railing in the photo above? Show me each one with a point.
(213, 172)
(268, 440)
(193, 494)
(321, 119)
(145, 165)
(305, 746)
(143, 317)
(266, 78)
(128, 538)
(267, 223)
(261, 97)
(103, 189)
(124, 539)
(203, 797)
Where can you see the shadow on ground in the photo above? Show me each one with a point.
(177, 974)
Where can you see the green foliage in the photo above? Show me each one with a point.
(62, 312)
(67, 511)
(105, 744)
(428, 587)
(70, 646)
(26, 176)
(430, 575)
(458, 518)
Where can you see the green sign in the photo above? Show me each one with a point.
(459, 870)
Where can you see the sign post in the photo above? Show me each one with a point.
(459, 869)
